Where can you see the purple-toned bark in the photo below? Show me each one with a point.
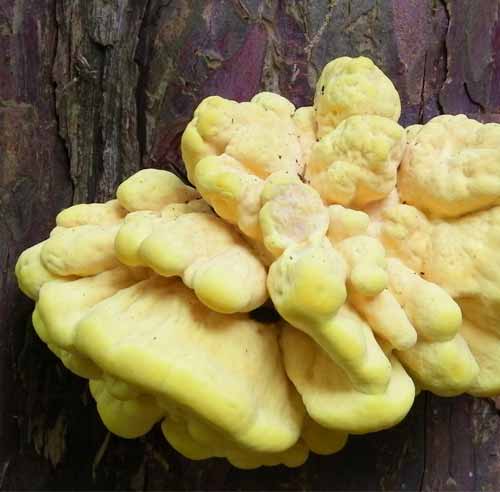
(93, 90)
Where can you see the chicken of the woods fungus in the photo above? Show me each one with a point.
(376, 245)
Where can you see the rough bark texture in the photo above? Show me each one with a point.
(92, 90)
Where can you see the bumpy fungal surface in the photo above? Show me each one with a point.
(465, 173)
(224, 271)
(377, 246)
(357, 162)
(353, 86)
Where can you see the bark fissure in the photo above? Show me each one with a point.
(317, 36)
(471, 99)
(54, 99)
(141, 84)
(3, 473)
(422, 92)
(444, 3)
(421, 480)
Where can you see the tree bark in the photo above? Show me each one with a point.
(93, 90)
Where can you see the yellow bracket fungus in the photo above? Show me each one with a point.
(377, 246)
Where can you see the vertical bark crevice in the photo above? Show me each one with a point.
(140, 58)
(421, 479)
(54, 97)
(447, 11)
(479, 108)
(422, 93)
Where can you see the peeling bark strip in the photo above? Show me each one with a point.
(96, 79)
(92, 90)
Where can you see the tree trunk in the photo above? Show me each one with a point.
(93, 90)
